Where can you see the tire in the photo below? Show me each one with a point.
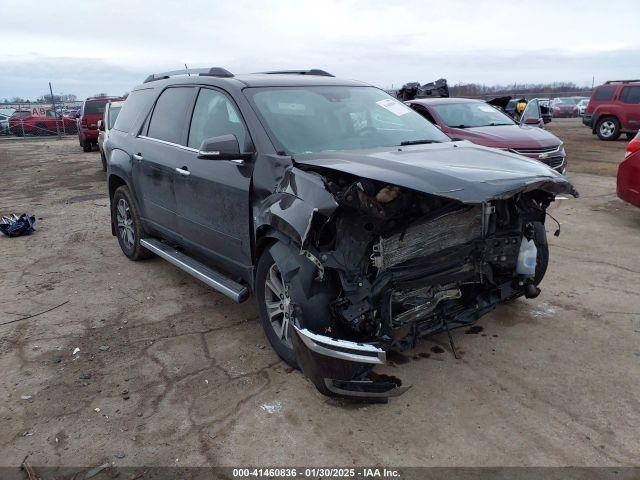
(40, 130)
(86, 145)
(542, 258)
(104, 161)
(264, 276)
(128, 226)
(608, 128)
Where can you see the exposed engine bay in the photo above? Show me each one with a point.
(378, 266)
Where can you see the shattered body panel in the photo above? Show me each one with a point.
(382, 247)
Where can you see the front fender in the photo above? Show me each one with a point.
(291, 208)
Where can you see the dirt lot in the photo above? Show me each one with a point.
(172, 373)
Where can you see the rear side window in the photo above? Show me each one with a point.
(604, 93)
(168, 117)
(136, 105)
(630, 95)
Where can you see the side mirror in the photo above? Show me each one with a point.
(100, 125)
(77, 115)
(224, 147)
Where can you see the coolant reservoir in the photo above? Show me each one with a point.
(527, 258)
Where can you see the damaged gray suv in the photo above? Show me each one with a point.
(356, 223)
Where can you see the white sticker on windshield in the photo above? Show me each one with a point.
(487, 108)
(394, 107)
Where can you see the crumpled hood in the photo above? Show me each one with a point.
(507, 136)
(462, 171)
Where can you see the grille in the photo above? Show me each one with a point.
(537, 150)
(555, 162)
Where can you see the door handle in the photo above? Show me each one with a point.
(184, 171)
(137, 156)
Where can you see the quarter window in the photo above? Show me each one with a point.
(215, 115)
(604, 93)
(169, 115)
(630, 95)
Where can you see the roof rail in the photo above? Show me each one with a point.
(621, 81)
(205, 72)
(314, 71)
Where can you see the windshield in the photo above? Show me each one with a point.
(471, 114)
(113, 114)
(23, 113)
(315, 119)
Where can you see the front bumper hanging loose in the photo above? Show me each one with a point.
(343, 367)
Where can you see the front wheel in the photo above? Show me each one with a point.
(275, 307)
(608, 128)
(128, 225)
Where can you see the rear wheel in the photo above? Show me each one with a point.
(128, 225)
(275, 309)
(85, 144)
(608, 128)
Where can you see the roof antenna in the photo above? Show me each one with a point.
(187, 69)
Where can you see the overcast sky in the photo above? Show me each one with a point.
(91, 46)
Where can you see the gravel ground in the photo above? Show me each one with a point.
(169, 372)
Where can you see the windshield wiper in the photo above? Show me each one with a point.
(418, 142)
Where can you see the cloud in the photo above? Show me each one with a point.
(380, 42)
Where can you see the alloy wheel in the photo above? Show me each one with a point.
(607, 128)
(124, 221)
(278, 304)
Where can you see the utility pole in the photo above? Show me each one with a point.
(55, 115)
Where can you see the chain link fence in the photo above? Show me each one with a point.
(38, 120)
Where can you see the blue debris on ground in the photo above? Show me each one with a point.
(16, 226)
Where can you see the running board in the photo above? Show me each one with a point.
(214, 279)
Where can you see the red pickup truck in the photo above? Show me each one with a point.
(23, 122)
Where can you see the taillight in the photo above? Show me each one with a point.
(633, 146)
(83, 122)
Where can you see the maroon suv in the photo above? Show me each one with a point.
(91, 111)
(614, 108)
(481, 123)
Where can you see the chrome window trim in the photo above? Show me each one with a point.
(164, 142)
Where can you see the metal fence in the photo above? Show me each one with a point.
(38, 119)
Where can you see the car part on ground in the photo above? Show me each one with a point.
(628, 178)
(358, 224)
(17, 226)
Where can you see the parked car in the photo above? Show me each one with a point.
(111, 111)
(91, 111)
(359, 225)
(628, 181)
(481, 123)
(581, 106)
(563, 107)
(23, 122)
(5, 114)
(614, 108)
